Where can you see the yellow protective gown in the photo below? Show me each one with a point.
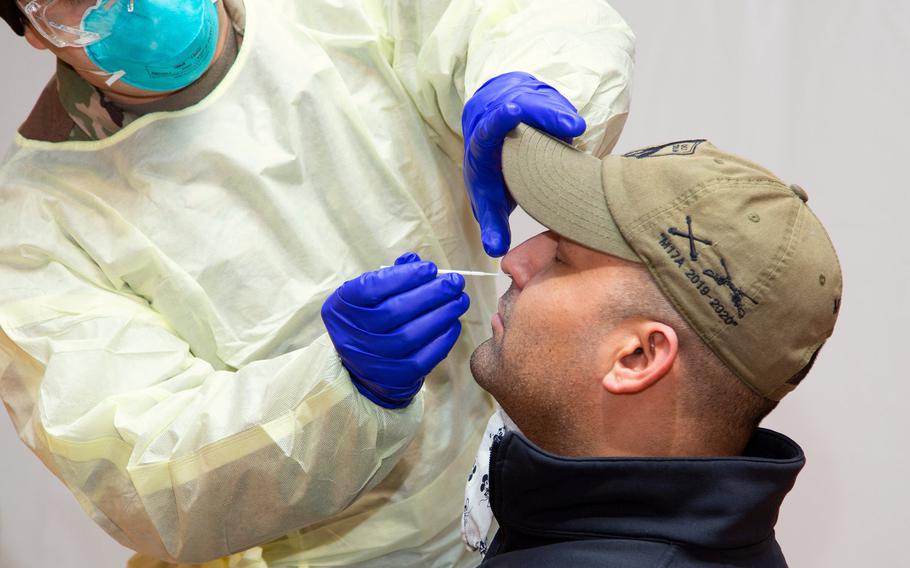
(162, 350)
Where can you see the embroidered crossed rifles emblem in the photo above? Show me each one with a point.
(726, 280)
(736, 295)
(693, 253)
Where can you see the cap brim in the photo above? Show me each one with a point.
(562, 189)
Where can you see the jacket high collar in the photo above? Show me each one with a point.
(722, 502)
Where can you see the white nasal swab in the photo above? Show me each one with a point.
(466, 272)
(462, 272)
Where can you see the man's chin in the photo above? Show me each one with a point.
(484, 363)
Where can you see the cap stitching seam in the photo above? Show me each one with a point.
(549, 176)
(560, 210)
(761, 282)
(761, 285)
(801, 221)
(561, 213)
(557, 206)
(830, 244)
(697, 190)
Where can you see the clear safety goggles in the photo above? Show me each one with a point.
(60, 21)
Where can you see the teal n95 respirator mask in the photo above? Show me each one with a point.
(156, 45)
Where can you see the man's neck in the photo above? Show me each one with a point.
(632, 432)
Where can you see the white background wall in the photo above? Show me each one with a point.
(816, 91)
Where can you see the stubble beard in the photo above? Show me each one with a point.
(487, 358)
(497, 374)
(485, 365)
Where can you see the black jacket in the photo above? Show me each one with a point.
(639, 512)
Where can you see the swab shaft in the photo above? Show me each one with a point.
(466, 272)
(462, 272)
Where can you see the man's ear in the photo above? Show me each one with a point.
(33, 38)
(647, 355)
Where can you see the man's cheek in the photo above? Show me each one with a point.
(529, 339)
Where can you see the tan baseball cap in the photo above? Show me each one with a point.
(736, 250)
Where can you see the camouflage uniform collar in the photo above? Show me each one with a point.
(96, 117)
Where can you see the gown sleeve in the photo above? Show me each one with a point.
(444, 52)
(174, 455)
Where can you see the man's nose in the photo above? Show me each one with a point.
(523, 262)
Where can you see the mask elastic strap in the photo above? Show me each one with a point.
(114, 78)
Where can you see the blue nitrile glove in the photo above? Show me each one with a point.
(495, 109)
(392, 326)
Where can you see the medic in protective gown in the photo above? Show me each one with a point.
(162, 350)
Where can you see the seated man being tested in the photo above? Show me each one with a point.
(679, 294)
